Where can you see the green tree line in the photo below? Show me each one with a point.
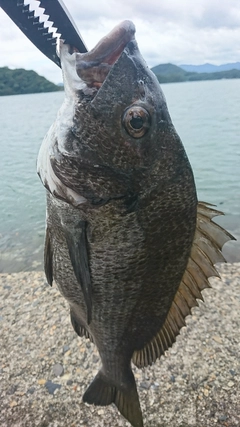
(169, 73)
(20, 81)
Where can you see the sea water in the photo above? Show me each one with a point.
(205, 114)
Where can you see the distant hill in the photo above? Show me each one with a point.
(210, 68)
(168, 73)
(20, 81)
(168, 69)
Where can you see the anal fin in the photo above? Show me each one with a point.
(78, 327)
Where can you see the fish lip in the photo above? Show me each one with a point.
(91, 69)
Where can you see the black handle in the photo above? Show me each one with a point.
(39, 35)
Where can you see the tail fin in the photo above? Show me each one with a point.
(101, 392)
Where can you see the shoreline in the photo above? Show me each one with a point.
(22, 260)
(27, 255)
(45, 368)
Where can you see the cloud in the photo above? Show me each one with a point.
(171, 31)
(203, 13)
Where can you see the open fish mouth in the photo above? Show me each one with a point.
(94, 66)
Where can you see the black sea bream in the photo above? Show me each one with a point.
(127, 242)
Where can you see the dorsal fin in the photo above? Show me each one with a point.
(206, 251)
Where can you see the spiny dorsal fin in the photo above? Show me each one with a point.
(208, 241)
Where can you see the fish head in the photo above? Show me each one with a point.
(115, 91)
(113, 136)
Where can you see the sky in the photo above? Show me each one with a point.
(176, 31)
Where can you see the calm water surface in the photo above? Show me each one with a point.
(206, 116)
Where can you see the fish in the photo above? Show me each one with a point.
(127, 242)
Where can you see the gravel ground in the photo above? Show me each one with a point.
(45, 367)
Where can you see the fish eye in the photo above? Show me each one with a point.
(136, 121)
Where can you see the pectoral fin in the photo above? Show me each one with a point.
(48, 256)
(77, 246)
(206, 251)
